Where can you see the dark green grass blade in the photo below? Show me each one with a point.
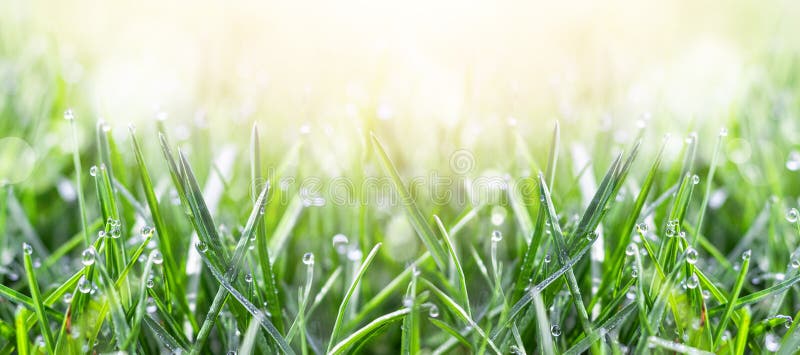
(447, 328)
(414, 214)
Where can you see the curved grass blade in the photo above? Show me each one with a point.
(447, 328)
(414, 214)
(462, 281)
(36, 298)
(350, 290)
(368, 330)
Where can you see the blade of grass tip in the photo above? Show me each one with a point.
(757, 296)
(618, 257)
(460, 313)
(587, 221)
(414, 214)
(709, 180)
(36, 297)
(170, 259)
(231, 271)
(195, 195)
(545, 338)
(383, 295)
(410, 331)
(323, 292)
(676, 347)
(368, 329)
(563, 256)
(462, 282)
(76, 161)
(447, 328)
(350, 290)
(264, 258)
(737, 287)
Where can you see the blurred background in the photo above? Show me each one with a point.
(429, 77)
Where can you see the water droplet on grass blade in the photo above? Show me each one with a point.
(793, 162)
(201, 247)
(308, 258)
(547, 258)
(84, 286)
(248, 278)
(692, 281)
(792, 215)
(88, 256)
(340, 243)
(695, 179)
(157, 257)
(27, 248)
(746, 254)
(433, 311)
(93, 170)
(634, 272)
(691, 255)
(150, 283)
(497, 236)
(641, 228)
(631, 249)
(555, 330)
(795, 263)
(68, 298)
(498, 215)
(146, 231)
(69, 115)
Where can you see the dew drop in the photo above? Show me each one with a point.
(308, 258)
(723, 132)
(634, 272)
(547, 258)
(146, 231)
(354, 255)
(201, 247)
(706, 294)
(69, 115)
(340, 243)
(433, 311)
(513, 349)
(631, 249)
(150, 283)
(115, 232)
(691, 255)
(84, 286)
(27, 248)
(692, 281)
(641, 228)
(746, 254)
(157, 257)
(555, 330)
(497, 236)
(792, 215)
(695, 179)
(408, 302)
(101, 234)
(93, 170)
(88, 256)
(795, 263)
(771, 342)
(793, 162)
(248, 278)
(498, 215)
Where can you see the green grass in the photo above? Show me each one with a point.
(272, 281)
(182, 237)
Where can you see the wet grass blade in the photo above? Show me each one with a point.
(414, 214)
(36, 298)
(368, 330)
(737, 288)
(462, 281)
